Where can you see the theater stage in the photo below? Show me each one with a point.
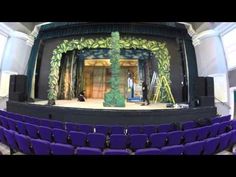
(93, 112)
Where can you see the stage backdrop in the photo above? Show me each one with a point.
(177, 60)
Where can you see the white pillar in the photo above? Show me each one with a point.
(15, 59)
(211, 62)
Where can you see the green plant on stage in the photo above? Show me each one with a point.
(114, 97)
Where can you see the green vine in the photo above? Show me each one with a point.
(158, 49)
(114, 97)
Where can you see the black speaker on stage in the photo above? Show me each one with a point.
(206, 101)
(17, 87)
(200, 86)
(209, 86)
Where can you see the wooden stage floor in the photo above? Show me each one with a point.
(98, 104)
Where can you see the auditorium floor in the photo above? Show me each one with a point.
(98, 104)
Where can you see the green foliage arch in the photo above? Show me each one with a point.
(157, 48)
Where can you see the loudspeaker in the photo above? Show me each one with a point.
(209, 86)
(200, 87)
(206, 101)
(17, 87)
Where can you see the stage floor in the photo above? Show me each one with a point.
(98, 104)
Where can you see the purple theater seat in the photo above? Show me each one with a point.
(149, 129)
(12, 124)
(70, 126)
(158, 140)
(60, 136)
(211, 145)
(194, 148)
(10, 137)
(86, 128)
(118, 141)
(78, 138)
(117, 129)
(203, 132)
(23, 143)
(134, 129)
(116, 152)
(224, 141)
(166, 128)
(225, 118)
(148, 151)
(61, 149)
(104, 129)
(32, 120)
(46, 123)
(4, 122)
(172, 150)
(233, 137)
(17, 117)
(40, 147)
(3, 113)
(58, 124)
(32, 130)
(97, 140)
(213, 130)
(224, 127)
(233, 124)
(2, 137)
(174, 138)
(88, 151)
(138, 141)
(215, 120)
(45, 133)
(21, 127)
(189, 125)
(190, 135)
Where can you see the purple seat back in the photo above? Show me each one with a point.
(102, 129)
(149, 129)
(224, 141)
(61, 149)
(32, 130)
(190, 135)
(17, 117)
(134, 129)
(189, 125)
(174, 138)
(166, 128)
(233, 124)
(60, 136)
(86, 128)
(148, 151)
(45, 133)
(12, 124)
(203, 132)
(40, 147)
(225, 118)
(88, 151)
(4, 122)
(10, 137)
(194, 148)
(116, 152)
(21, 128)
(2, 137)
(213, 130)
(32, 120)
(117, 129)
(118, 141)
(70, 126)
(216, 120)
(224, 127)
(46, 123)
(233, 137)
(172, 150)
(158, 140)
(211, 145)
(23, 143)
(97, 140)
(58, 124)
(138, 141)
(78, 138)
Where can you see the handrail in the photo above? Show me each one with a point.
(223, 103)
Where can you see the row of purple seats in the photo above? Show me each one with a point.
(136, 140)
